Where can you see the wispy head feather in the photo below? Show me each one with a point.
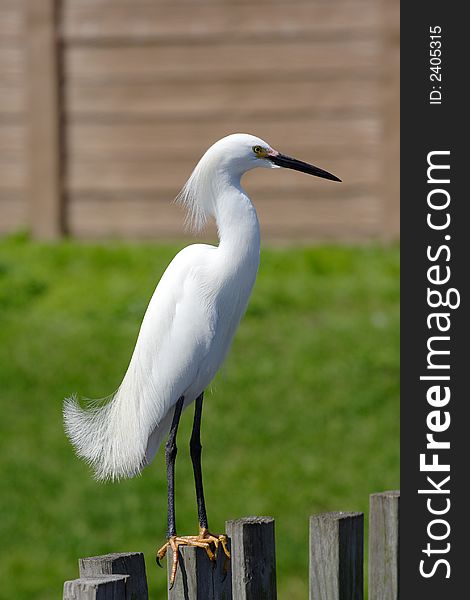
(196, 216)
(197, 194)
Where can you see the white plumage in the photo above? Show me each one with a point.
(189, 324)
(191, 319)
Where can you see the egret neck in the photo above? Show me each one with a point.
(237, 221)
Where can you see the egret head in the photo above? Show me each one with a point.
(228, 159)
(241, 152)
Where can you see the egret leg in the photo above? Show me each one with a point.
(204, 539)
(170, 455)
(196, 451)
(171, 451)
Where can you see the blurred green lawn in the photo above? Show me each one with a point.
(303, 418)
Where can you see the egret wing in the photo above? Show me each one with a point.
(174, 338)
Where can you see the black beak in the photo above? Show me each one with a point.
(297, 165)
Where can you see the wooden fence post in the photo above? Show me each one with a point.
(45, 194)
(253, 558)
(383, 546)
(109, 587)
(198, 578)
(336, 556)
(130, 564)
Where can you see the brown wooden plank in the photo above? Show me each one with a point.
(44, 157)
(390, 113)
(12, 142)
(185, 3)
(20, 4)
(320, 218)
(11, 22)
(170, 175)
(178, 99)
(13, 211)
(12, 63)
(232, 61)
(12, 174)
(126, 22)
(10, 77)
(12, 98)
(179, 140)
(138, 4)
(144, 216)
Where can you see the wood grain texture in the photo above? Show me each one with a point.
(187, 4)
(115, 98)
(109, 587)
(336, 556)
(12, 142)
(11, 22)
(13, 130)
(13, 210)
(147, 175)
(198, 578)
(152, 217)
(253, 558)
(44, 149)
(12, 175)
(358, 136)
(228, 61)
(131, 564)
(390, 103)
(231, 20)
(12, 99)
(150, 100)
(384, 519)
(12, 63)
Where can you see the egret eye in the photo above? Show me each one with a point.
(258, 150)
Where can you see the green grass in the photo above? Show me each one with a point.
(303, 417)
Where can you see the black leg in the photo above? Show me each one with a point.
(196, 448)
(205, 539)
(170, 456)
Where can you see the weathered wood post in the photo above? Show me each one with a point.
(383, 546)
(336, 556)
(106, 587)
(117, 576)
(253, 558)
(199, 578)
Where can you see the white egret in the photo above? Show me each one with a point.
(186, 332)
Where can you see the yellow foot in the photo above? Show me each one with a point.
(205, 540)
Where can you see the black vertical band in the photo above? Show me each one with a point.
(435, 317)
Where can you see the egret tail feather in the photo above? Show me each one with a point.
(104, 436)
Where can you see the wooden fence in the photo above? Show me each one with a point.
(335, 571)
(106, 105)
